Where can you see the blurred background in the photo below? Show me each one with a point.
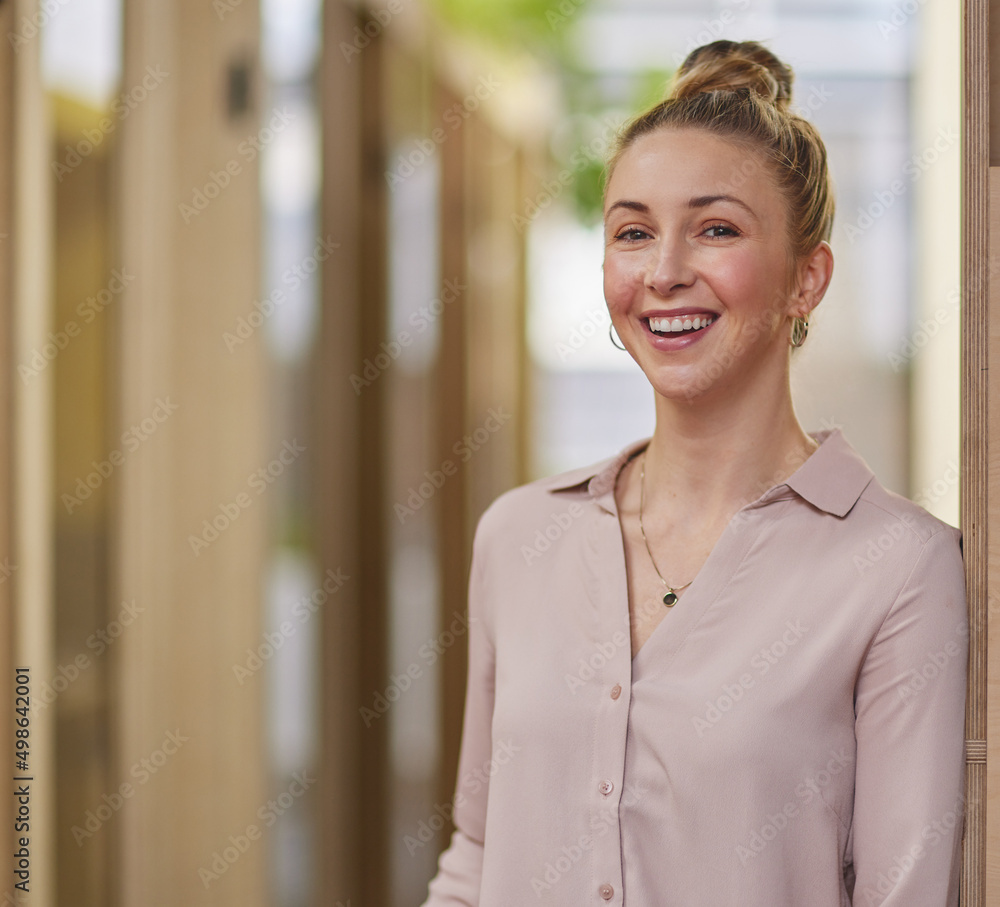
(293, 290)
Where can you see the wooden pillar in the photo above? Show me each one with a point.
(482, 375)
(84, 269)
(7, 376)
(371, 821)
(350, 512)
(452, 422)
(25, 438)
(190, 528)
(479, 365)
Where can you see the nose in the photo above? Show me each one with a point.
(669, 266)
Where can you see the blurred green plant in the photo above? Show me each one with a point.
(592, 109)
(596, 116)
(539, 24)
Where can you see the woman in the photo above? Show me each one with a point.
(736, 673)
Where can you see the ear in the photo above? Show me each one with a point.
(813, 277)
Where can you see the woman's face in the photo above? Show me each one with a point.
(697, 264)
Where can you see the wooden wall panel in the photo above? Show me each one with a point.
(975, 428)
(990, 870)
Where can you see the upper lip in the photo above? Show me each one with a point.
(677, 313)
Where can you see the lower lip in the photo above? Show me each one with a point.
(671, 342)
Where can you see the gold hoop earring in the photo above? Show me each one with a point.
(800, 329)
(611, 334)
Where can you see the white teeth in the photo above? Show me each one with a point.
(672, 325)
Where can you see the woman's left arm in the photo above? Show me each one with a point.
(910, 729)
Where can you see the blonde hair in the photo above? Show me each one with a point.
(742, 92)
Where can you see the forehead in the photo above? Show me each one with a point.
(670, 166)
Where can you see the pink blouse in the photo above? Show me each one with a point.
(791, 734)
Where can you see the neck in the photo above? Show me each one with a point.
(707, 459)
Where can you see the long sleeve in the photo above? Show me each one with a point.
(910, 714)
(457, 881)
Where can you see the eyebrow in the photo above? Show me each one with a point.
(702, 201)
(699, 201)
(631, 206)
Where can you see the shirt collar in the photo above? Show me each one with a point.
(831, 479)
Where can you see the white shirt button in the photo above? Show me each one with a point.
(606, 787)
(606, 891)
(616, 691)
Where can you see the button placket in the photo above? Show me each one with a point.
(612, 694)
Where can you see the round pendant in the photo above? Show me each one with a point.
(670, 599)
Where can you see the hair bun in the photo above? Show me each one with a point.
(732, 66)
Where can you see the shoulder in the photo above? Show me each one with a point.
(838, 482)
(523, 505)
(891, 530)
(912, 562)
(878, 506)
(877, 552)
(554, 502)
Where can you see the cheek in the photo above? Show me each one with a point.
(754, 297)
(621, 280)
(746, 281)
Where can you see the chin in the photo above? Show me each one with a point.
(681, 388)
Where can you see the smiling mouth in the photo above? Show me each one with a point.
(685, 325)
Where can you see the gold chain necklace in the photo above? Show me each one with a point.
(670, 596)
